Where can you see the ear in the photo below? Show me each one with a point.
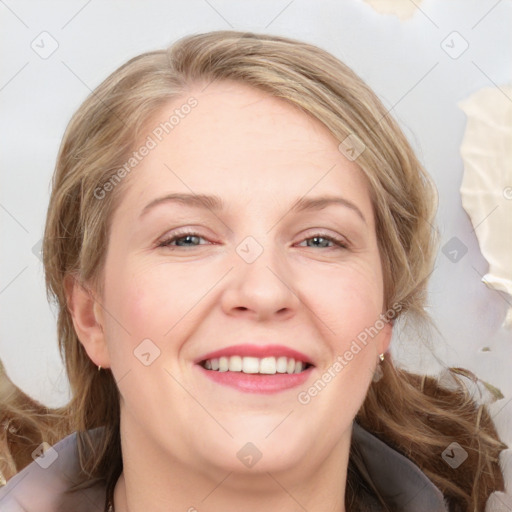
(87, 315)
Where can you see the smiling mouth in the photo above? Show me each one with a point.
(256, 365)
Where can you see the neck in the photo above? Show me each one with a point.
(152, 482)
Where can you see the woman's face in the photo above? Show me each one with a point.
(256, 273)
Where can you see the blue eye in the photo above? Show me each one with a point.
(190, 236)
(180, 236)
(336, 241)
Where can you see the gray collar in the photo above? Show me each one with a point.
(401, 483)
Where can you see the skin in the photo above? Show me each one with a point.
(180, 431)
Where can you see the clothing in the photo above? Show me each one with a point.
(39, 489)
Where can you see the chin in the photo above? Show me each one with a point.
(257, 449)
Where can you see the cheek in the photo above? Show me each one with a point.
(146, 301)
(346, 298)
(140, 312)
(129, 303)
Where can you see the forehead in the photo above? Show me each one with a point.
(237, 116)
(243, 144)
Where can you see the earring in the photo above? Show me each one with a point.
(378, 374)
(381, 356)
(99, 368)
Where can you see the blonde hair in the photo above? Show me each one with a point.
(413, 414)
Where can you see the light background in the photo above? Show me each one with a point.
(405, 62)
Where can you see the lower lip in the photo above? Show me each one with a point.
(257, 383)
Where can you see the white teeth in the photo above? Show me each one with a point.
(235, 364)
(223, 364)
(281, 364)
(265, 365)
(250, 365)
(268, 365)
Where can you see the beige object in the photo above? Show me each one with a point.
(404, 9)
(486, 188)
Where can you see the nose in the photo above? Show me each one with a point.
(262, 285)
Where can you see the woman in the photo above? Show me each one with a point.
(235, 225)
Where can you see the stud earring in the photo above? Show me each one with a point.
(378, 373)
(99, 368)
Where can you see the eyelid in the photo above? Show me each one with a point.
(323, 232)
(179, 233)
(339, 241)
(336, 238)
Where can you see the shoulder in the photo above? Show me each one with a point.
(41, 485)
(400, 482)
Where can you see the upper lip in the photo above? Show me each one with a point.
(259, 351)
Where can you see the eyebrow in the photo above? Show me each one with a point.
(215, 203)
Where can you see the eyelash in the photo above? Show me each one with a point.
(341, 244)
